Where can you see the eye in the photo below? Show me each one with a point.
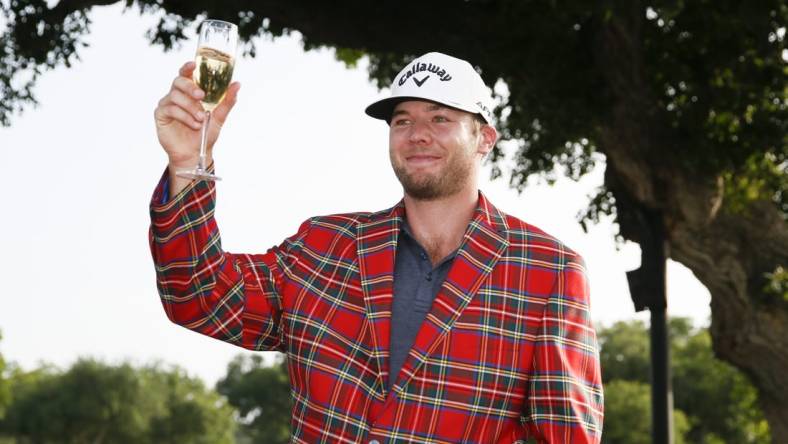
(400, 122)
(440, 119)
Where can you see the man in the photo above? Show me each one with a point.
(440, 320)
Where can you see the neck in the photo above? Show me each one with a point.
(439, 225)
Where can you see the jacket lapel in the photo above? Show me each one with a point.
(483, 244)
(377, 244)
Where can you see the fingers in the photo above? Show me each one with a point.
(189, 104)
(166, 114)
(187, 87)
(224, 108)
(187, 69)
(178, 106)
(182, 102)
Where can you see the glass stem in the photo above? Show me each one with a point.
(204, 142)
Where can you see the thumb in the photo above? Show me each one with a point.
(224, 108)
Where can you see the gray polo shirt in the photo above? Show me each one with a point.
(416, 283)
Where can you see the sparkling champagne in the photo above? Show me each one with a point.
(213, 74)
(215, 61)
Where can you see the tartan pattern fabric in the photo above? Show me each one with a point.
(507, 352)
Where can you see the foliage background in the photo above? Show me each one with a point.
(120, 403)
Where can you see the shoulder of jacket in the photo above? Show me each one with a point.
(340, 221)
(527, 237)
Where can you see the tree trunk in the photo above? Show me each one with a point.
(730, 257)
(729, 253)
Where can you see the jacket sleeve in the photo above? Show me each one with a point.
(565, 398)
(232, 297)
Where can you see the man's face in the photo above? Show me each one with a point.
(436, 150)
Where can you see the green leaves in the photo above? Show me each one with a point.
(778, 283)
(762, 176)
(628, 414)
(713, 401)
(5, 389)
(262, 396)
(96, 402)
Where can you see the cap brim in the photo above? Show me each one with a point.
(382, 109)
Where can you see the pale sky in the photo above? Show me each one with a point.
(78, 172)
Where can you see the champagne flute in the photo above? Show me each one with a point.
(215, 60)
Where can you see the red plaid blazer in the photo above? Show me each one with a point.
(506, 353)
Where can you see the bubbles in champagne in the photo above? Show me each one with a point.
(213, 74)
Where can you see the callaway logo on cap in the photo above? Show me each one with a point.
(439, 78)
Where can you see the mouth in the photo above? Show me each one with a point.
(422, 159)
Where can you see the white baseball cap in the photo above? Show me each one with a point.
(438, 78)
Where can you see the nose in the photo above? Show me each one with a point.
(420, 133)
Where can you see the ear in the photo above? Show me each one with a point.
(488, 135)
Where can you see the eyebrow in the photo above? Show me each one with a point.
(397, 113)
(431, 107)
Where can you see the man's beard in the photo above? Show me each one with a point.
(445, 183)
